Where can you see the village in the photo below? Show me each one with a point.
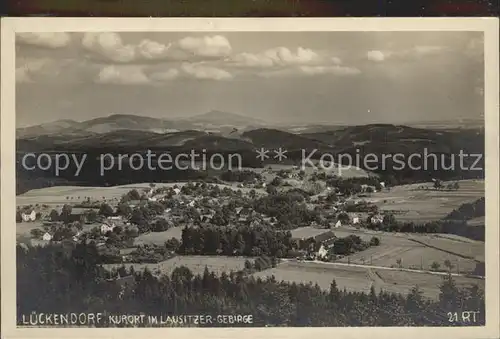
(285, 214)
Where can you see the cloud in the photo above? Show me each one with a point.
(310, 71)
(170, 74)
(53, 70)
(406, 54)
(336, 61)
(207, 46)
(151, 50)
(200, 71)
(425, 50)
(122, 75)
(111, 47)
(337, 70)
(43, 39)
(280, 56)
(29, 68)
(376, 56)
(143, 75)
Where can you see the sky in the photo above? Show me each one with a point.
(295, 77)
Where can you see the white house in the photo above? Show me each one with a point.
(47, 237)
(322, 252)
(382, 184)
(191, 204)
(152, 199)
(355, 220)
(29, 216)
(338, 224)
(377, 219)
(106, 228)
(116, 218)
(177, 190)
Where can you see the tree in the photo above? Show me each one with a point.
(435, 266)
(374, 241)
(449, 294)
(65, 213)
(389, 220)
(19, 217)
(161, 225)
(248, 265)
(331, 197)
(91, 216)
(53, 215)
(448, 265)
(399, 262)
(172, 244)
(36, 233)
(438, 184)
(138, 218)
(123, 209)
(78, 225)
(271, 190)
(106, 210)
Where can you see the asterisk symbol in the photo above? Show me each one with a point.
(280, 154)
(262, 154)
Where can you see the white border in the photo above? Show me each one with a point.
(9, 26)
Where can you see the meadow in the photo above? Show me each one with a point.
(420, 202)
(360, 279)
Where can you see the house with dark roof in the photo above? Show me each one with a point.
(305, 237)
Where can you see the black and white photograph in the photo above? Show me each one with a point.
(251, 178)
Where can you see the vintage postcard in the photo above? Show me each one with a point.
(249, 177)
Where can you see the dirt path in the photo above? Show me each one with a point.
(377, 282)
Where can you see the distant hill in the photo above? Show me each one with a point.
(472, 123)
(273, 138)
(219, 118)
(213, 121)
(125, 122)
(390, 139)
(377, 139)
(47, 128)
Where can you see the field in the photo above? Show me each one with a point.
(195, 263)
(418, 251)
(159, 238)
(59, 195)
(307, 232)
(412, 203)
(269, 171)
(352, 278)
(54, 196)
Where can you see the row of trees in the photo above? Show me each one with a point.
(52, 280)
(469, 211)
(457, 227)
